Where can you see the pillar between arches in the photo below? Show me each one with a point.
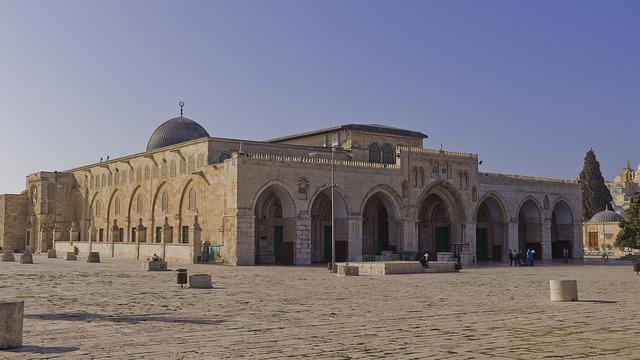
(546, 239)
(355, 238)
(302, 254)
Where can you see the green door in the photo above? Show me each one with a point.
(327, 243)
(278, 237)
(482, 244)
(442, 239)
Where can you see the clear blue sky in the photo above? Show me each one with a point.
(528, 85)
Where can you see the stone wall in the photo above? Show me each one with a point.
(13, 209)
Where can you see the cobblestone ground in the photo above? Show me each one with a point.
(114, 310)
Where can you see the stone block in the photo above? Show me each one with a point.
(51, 254)
(94, 257)
(70, 256)
(445, 256)
(11, 321)
(26, 258)
(563, 290)
(200, 281)
(346, 270)
(154, 266)
(8, 256)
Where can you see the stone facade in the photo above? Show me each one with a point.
(270, 202)
(13, 221)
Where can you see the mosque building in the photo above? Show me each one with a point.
(192, 197)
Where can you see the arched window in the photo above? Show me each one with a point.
(224, 157)
(147, 173)
(86, 181)
(117, 177)
(192, 199)
(164, 168)
(200, 160)
(91, 182)
(173, 168)
(110, 179)
(139, 204)
(388, 154)
(415, 176)
(374, 153)
(138, 174)
(117, 207)
(97, 208)
(421, 177)
(466, 180)
(104, 180)
(155, 171)
(183, 167)
(165, 202)
(192, 164)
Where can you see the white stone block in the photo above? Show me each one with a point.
(154, 266)
(563, 290)
(8, 256)
(51, 254)
(26, 258)
(70, 256)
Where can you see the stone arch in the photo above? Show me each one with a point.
(491, 217)
(133, 214)
(381, 211)
(321, 226)
(562, 229)
(339, 191)
(275, 211)
(159, 216)
(530, 220)
(440, 218)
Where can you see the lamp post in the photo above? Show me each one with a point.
(334, 147)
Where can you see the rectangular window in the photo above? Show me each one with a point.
(185, 234)
(158, 234)
(434, 172)
(121, 234)
(101, 235)
(133, 234)
(28, 238)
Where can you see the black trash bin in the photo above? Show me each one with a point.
(181, 277)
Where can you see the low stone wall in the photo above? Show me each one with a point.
(176, 253)
(400, 267)
(125, 250)
(147, 250)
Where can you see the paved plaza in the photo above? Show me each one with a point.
(113, 310)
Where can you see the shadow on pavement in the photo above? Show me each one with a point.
(130, 319)
(599, 301)
(44, 349)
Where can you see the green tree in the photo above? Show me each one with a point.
(595, 194)
(629, 235)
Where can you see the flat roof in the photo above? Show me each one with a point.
(373, 128)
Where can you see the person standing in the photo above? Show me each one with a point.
(511, 258)
(565, 256)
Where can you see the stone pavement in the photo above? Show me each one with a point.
(114, 310)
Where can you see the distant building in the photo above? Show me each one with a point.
(601, 230)
(624, 187)
(265, 202)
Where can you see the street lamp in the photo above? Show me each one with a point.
(334, 147)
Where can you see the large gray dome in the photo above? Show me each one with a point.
(175, 131)
(607, 216)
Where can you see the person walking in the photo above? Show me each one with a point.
(565, 256)
(532, 258)
(511, 258)
(529, 257)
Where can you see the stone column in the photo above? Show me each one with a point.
(240, 242)
(546, 239)
(355, 239)
(578, 242)
(56, 235)
(74, 235)
(512, 236)
(141, 235)
(469, 229)
(91, 234)
(409, 238)
(166, 234)
(195, 241)
(302, 254)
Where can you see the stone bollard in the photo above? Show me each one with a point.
(70, 256)
(26, 258)
(94, 257)
(563, 290)
(200, 281)
(8, 256)
(51, 254)
(11, 320)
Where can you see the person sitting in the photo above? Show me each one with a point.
(424, 259)
(155, 257)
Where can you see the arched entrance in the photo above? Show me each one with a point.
(530, 228)
(561, 230)
(321, 227)
(439, 221)
(274, 226)
(380, 231)
(491, 222)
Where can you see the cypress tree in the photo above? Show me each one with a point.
(595, 194)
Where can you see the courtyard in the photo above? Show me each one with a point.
(114, 310)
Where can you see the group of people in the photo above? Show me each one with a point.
(522, 257)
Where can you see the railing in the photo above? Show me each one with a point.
(415, 149)
(320, 161)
